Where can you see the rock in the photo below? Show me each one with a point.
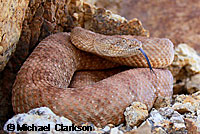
(193, 122)
(11, 18)
(193, 84)
(115, 130)
(38, 117)
(162, 101)
(135, 114)
(196, 96)
(127, 128)
(188, 106)
(177, 121)
(166, 120)
(106, 129)
(185, 69)
(192, 126)
(179, 85)
(166, 111)
(155, 116)
(198, 120)
(43, 116)
(159, 130)
(187, 57)
(145, 128)
(187, 103)
(183, 108)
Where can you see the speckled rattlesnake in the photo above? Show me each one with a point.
(44, 77)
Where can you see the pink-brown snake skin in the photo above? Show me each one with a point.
(44, 78)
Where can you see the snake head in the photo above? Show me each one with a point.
(115, 46)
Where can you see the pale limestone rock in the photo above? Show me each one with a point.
(155, 116)
(179, 126)
(106, 128)
(135, 114)
(181, 102)
(177, 121)
(183, 108)
(188, 57)
(185, 69)
(115, 130)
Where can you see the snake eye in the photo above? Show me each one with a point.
(124, 41)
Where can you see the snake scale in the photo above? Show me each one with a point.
(44, 78)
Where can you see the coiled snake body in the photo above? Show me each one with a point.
(44, 78)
